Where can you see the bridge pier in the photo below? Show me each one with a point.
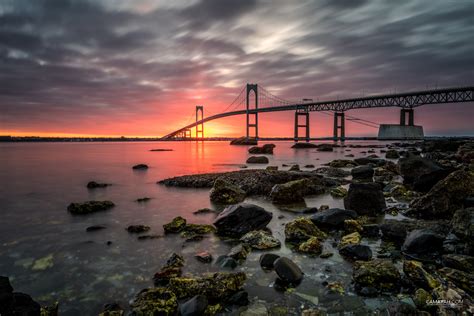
(187, 133)
(411, 117)
(305, 114)
(339, 125)
(252, 87)
(199, 127)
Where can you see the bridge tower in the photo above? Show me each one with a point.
(339, 125)
(199, 127)
(252, 87)
(305, 114)
(411, 117)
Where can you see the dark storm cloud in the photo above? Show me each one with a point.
(71, 58)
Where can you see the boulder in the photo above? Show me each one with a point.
(224, 192)
(266, 149)
(375, 276)
(356, 252)
(244, 141)
(294, 191)
(392, 154)
(237, 220)
(288, 271)
(304, 145)
(445, 197)
(302, 229)
(140, 167)
(258, 159)
(311, 246)
(267, 260)
(461, 279)
(89, 207)
(325, 147)
(462, 223)
(416, 273)
(155, 301)
(95, 185)
(138, 229)
(365, 198)
(412, 167)
(332, 218)
(176, 225)
(239, 252)
(260, 239)
(423, 244)
(194, 306)
(241, 298)
(363, 173)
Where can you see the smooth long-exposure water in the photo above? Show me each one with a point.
(48, 254)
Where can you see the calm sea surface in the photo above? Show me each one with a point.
(48, 254)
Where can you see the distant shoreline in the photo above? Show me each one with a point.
(24, 139)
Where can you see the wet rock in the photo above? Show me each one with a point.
(459, 262)
(342, 163)
(258, 159)
(311, 246)
(271, 168)
(241, 298)
(138, 229)
(423, 244)
(216, 286)
(96, 185)
(89, 207)
(309, 166)
(267, 260)
(302, 229)
(356, 252)
(333, 172)
(350, 239)
(392, 154)
(147, 237)
(416, 273)
(226, 193)
(143, 200)
(294, 168)
(371, 230)
(363, 173)
(43, 263)
(294, 191)
(326, 255)
(172, 269)
(332, 218)
(161, 149)
(194, 306)
(239, 252)
(325, 147)
(191, 230)
(266, 149)
(375, 276)
(288, 271)
(95, 228)
(401, 308)
(203, 211)
(244, 141)
(461, 279)
(140, 167)
(338, 192)
(463, 223)
(156, 301)
(365, 199)
(396, 231)
(226, 262)
(260, 239)
(304, 145)
(374, 161)
(421, 297)
(204, 257)
(237, 220)
(413, 167)
(352, 226)
(13, 303)
(445, 197)
(111, 309)
(176, 225)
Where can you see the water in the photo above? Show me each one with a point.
(82, 272)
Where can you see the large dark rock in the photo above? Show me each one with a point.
(194, 306)
(375, 276)
(325, 147)
(426, 181)
(412, 167)
(224, 192)
(365, 198)
(257, 159)
(13, 303)
(141, 166)
(266, 149)
(287, 270)
(332, 218)
(379, 162)
(304, 145)
(294, 191)
(237, 220)
(356, 252)
(244, 141)
(423, 244)
(89, 207)
(463, 223)
(392, 154)
(459, 262)
(267, 260)
(363, 173)
(445, 197)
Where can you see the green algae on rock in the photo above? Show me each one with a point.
(302, 229)
(156, 301)
(311, 246)
(260, 239)
(89, 207)
(224, 192)
(176, 225)
(375, 276)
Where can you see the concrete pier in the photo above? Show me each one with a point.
(400, 132)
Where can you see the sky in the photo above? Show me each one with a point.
(139, 68)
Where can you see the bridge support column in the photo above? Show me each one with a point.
(305, 114)
(254, 125)
(411, 117)
(339, 125)
(199, 127)
(187, 133)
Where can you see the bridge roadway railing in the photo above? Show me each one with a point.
(403, 100)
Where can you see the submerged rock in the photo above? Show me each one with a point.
(365, 199)
(445, 197)
(260, 239)
(294, 191)
(244, 141)
(138, 229)
(226, 262)
(287, 270)
(239, 252)
(175, 226)
(304, 145)
(156, 301)
(356, 252)
(89, 207)
(266, 149)
(302, 229)
(325, 147)
(375, 276)
(258, 159)
(237, 220)
(216, 287)
(95, 185)
(140, 167)
(226, 193)
(332, 218)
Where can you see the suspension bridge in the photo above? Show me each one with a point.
(263, 102)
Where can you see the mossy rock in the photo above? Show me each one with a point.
(338, 192)
(380, 275)
(176, 225)
(420, 298)
(352, 226)
(419, 276)
(350, 239)
(302, 229)
(89, 207)
(311, 246)
(191, 230)
(224, 192)
(260, 239)
(157, 301)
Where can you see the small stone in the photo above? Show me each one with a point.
(95, 185)
(350, 239)
(257, 159)
(288, 271)
(175, 226)
(94, 228)
(204, 257)
(239, 252)
(143, 200)
(140, 167)
(137, 229)
(226, 262)
(260, 239)
(356, 252)
(326, 255)
(338, 192)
